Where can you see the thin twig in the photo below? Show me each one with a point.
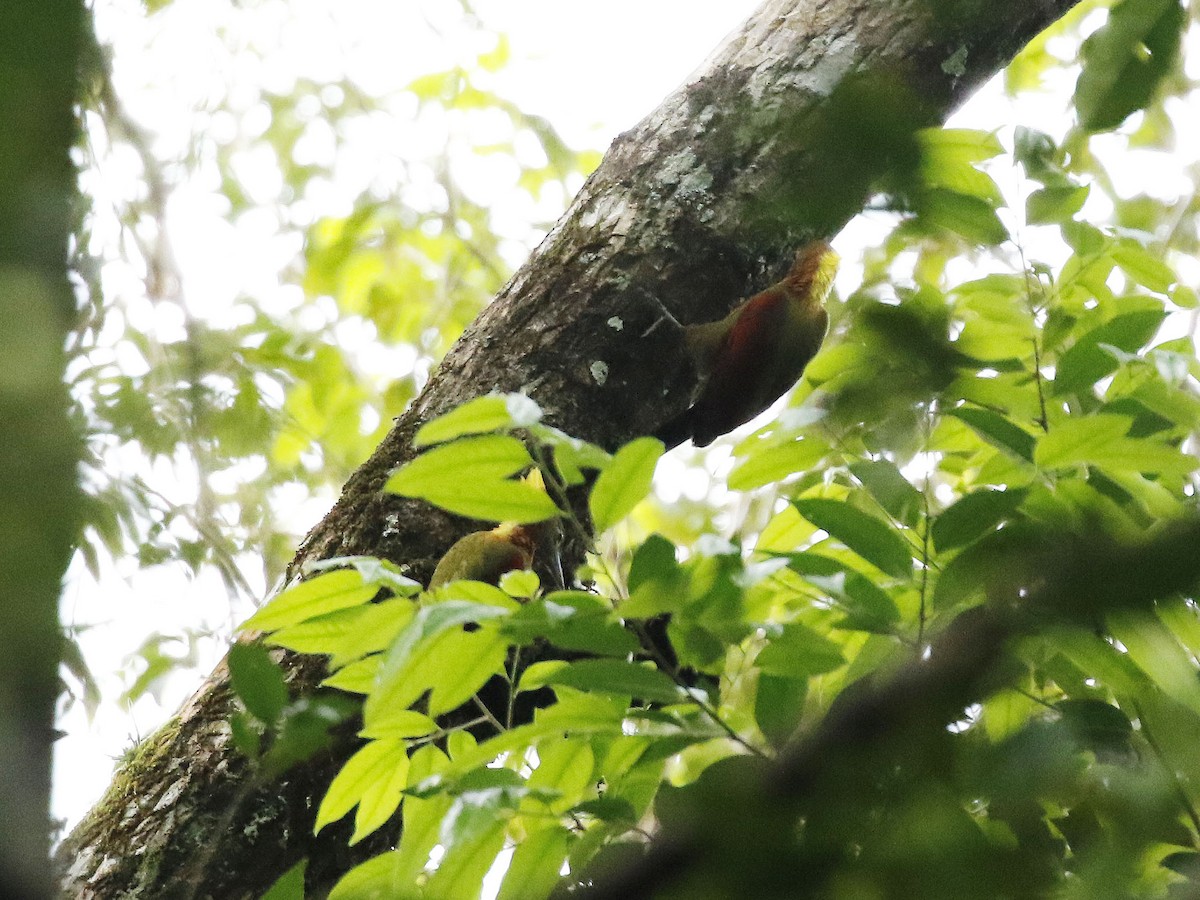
(488, 715)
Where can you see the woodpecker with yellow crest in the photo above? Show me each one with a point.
(750, 358)
(485, 555)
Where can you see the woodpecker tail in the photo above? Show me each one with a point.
(677, 430)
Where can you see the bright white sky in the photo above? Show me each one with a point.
(592, 71)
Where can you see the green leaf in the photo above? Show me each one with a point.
(1035, 150)
(1002, 563)
(1088, 360)
(1143, 267)
(289, 885)
(1054, 205)
(571, 620)
(317, 596)
(625, 482)
(1158, 653)
(380, 876)
(422, 821)
(778, 706)
(376, 776)
(257, 681)
(998, 431)
(533, 872)
(1185, 297)
(400, 679)
(563, 775)
(1101, 440)
(247, 733)
(868, 607)
(948, 157)
(373, 570)
(304, 730)
(472, 833)
(973, 516)
(653, 561)
(348, 634)
(799, 652)
(959, 145)
(359, 677)
(887, 484)
(401, 723)
(766, 466)
(970, 217)
(1096, 724)
(470, 477)
(604, 676)
(1125, 60)
(869, 537)
(462, 664)
(483, 414)
(657, 583)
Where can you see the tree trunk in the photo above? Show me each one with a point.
(39, 451)
(774, 141)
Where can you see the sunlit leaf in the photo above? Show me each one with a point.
(400, 679)
(470, 477)
(1101, 440)
(375, 775)
(625, 482)
(764, 466)
(490, 413)
(317, 596)
(533, 872)
(887, 484)
(970, 217)
(1053, 205)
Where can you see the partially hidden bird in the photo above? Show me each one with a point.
(748, 359)
(485, 555)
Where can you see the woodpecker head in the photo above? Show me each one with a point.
(812, 272)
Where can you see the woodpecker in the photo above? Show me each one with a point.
(485, 555)
(748, 359)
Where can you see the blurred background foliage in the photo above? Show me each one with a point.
(221, 416)
(1011, 363)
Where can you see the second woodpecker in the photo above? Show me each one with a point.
(748, 359)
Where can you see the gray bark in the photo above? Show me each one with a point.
(775, 140)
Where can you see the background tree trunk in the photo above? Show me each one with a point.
(38, 53)
(774, 141)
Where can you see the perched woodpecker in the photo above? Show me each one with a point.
(485, 555)
(748, 359)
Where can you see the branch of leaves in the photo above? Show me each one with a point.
(395, 648)
(395, 651)
(470, 470)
